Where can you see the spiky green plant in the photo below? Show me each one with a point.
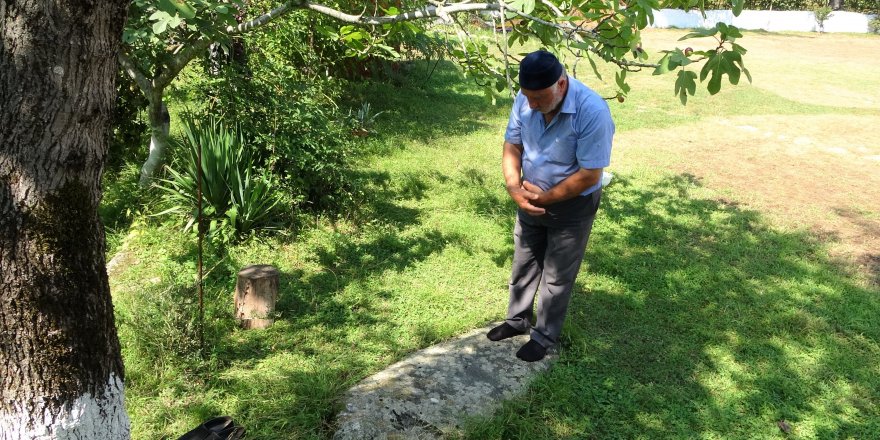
(236, 198)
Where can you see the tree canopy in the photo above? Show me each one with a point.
(162, 36)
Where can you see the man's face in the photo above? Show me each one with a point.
(546, 100)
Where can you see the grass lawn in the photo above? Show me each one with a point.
(731, 281)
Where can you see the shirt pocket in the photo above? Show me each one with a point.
(563, 150)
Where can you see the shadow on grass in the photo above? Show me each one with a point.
(698, 320)
(449, 105)
(288, 378)
(296, 381)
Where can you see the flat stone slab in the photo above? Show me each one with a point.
(428, 394)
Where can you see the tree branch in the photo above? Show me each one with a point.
(425, 12)
(139, 78)
(437, 9)
(578, 34)
(179, 61)
(261, 20)
(552, 8)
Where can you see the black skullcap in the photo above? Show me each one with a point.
(539, 70)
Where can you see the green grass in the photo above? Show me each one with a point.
(692, 318)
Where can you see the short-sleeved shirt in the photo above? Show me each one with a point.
(579, 136)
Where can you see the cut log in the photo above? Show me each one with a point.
(255, 295)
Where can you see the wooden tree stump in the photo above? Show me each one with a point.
(255, 295)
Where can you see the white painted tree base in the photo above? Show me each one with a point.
(87, 418)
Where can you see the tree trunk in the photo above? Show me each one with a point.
(160, 124)
(61, 374)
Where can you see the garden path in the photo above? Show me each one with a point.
(431, 393)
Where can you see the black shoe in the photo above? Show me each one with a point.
(532, 351)
(504, 331)
(218, 428)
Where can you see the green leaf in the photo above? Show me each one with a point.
(178, 6)
(620, 78)
(662, 65)
(512, 38)
(159, 15)
(388, 49)
(159, 26)
(732, 57)
(715, 82)
(733, 32)
(595, 69)
(175, 21)
(678, 58)
(327, 32)
(710, 66)
(738, 7)
(700, 33)
(733, 75)
(685, 85)
(729, 61)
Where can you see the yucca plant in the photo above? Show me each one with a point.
(235, 198)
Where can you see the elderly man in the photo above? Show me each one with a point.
(558, 139)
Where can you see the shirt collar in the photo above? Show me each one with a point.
(568, 104)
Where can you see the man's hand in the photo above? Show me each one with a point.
(540, 200)
(524, 198)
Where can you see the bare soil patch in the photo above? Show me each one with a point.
(820, 173)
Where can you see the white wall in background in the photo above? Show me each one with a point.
(773, 21)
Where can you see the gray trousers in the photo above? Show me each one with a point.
(548, 251)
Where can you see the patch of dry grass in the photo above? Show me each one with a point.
(818, 171)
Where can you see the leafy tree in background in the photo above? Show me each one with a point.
(61, 373)
(163, 36)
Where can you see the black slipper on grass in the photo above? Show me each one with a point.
(503, 331)
(218, 428)
(532, 351)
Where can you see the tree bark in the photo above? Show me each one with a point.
(61, 373)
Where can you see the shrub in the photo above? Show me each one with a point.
(821, 14)
(295, 127)
(874, 25)
(287, 98)
(236, 198)
(129, 134)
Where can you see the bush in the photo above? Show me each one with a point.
(287, 97)
(821, 14)
(295, 128)
(874, 25)
(236, 199)
(129, 134)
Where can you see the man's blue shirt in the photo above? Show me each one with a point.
(579, 136)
